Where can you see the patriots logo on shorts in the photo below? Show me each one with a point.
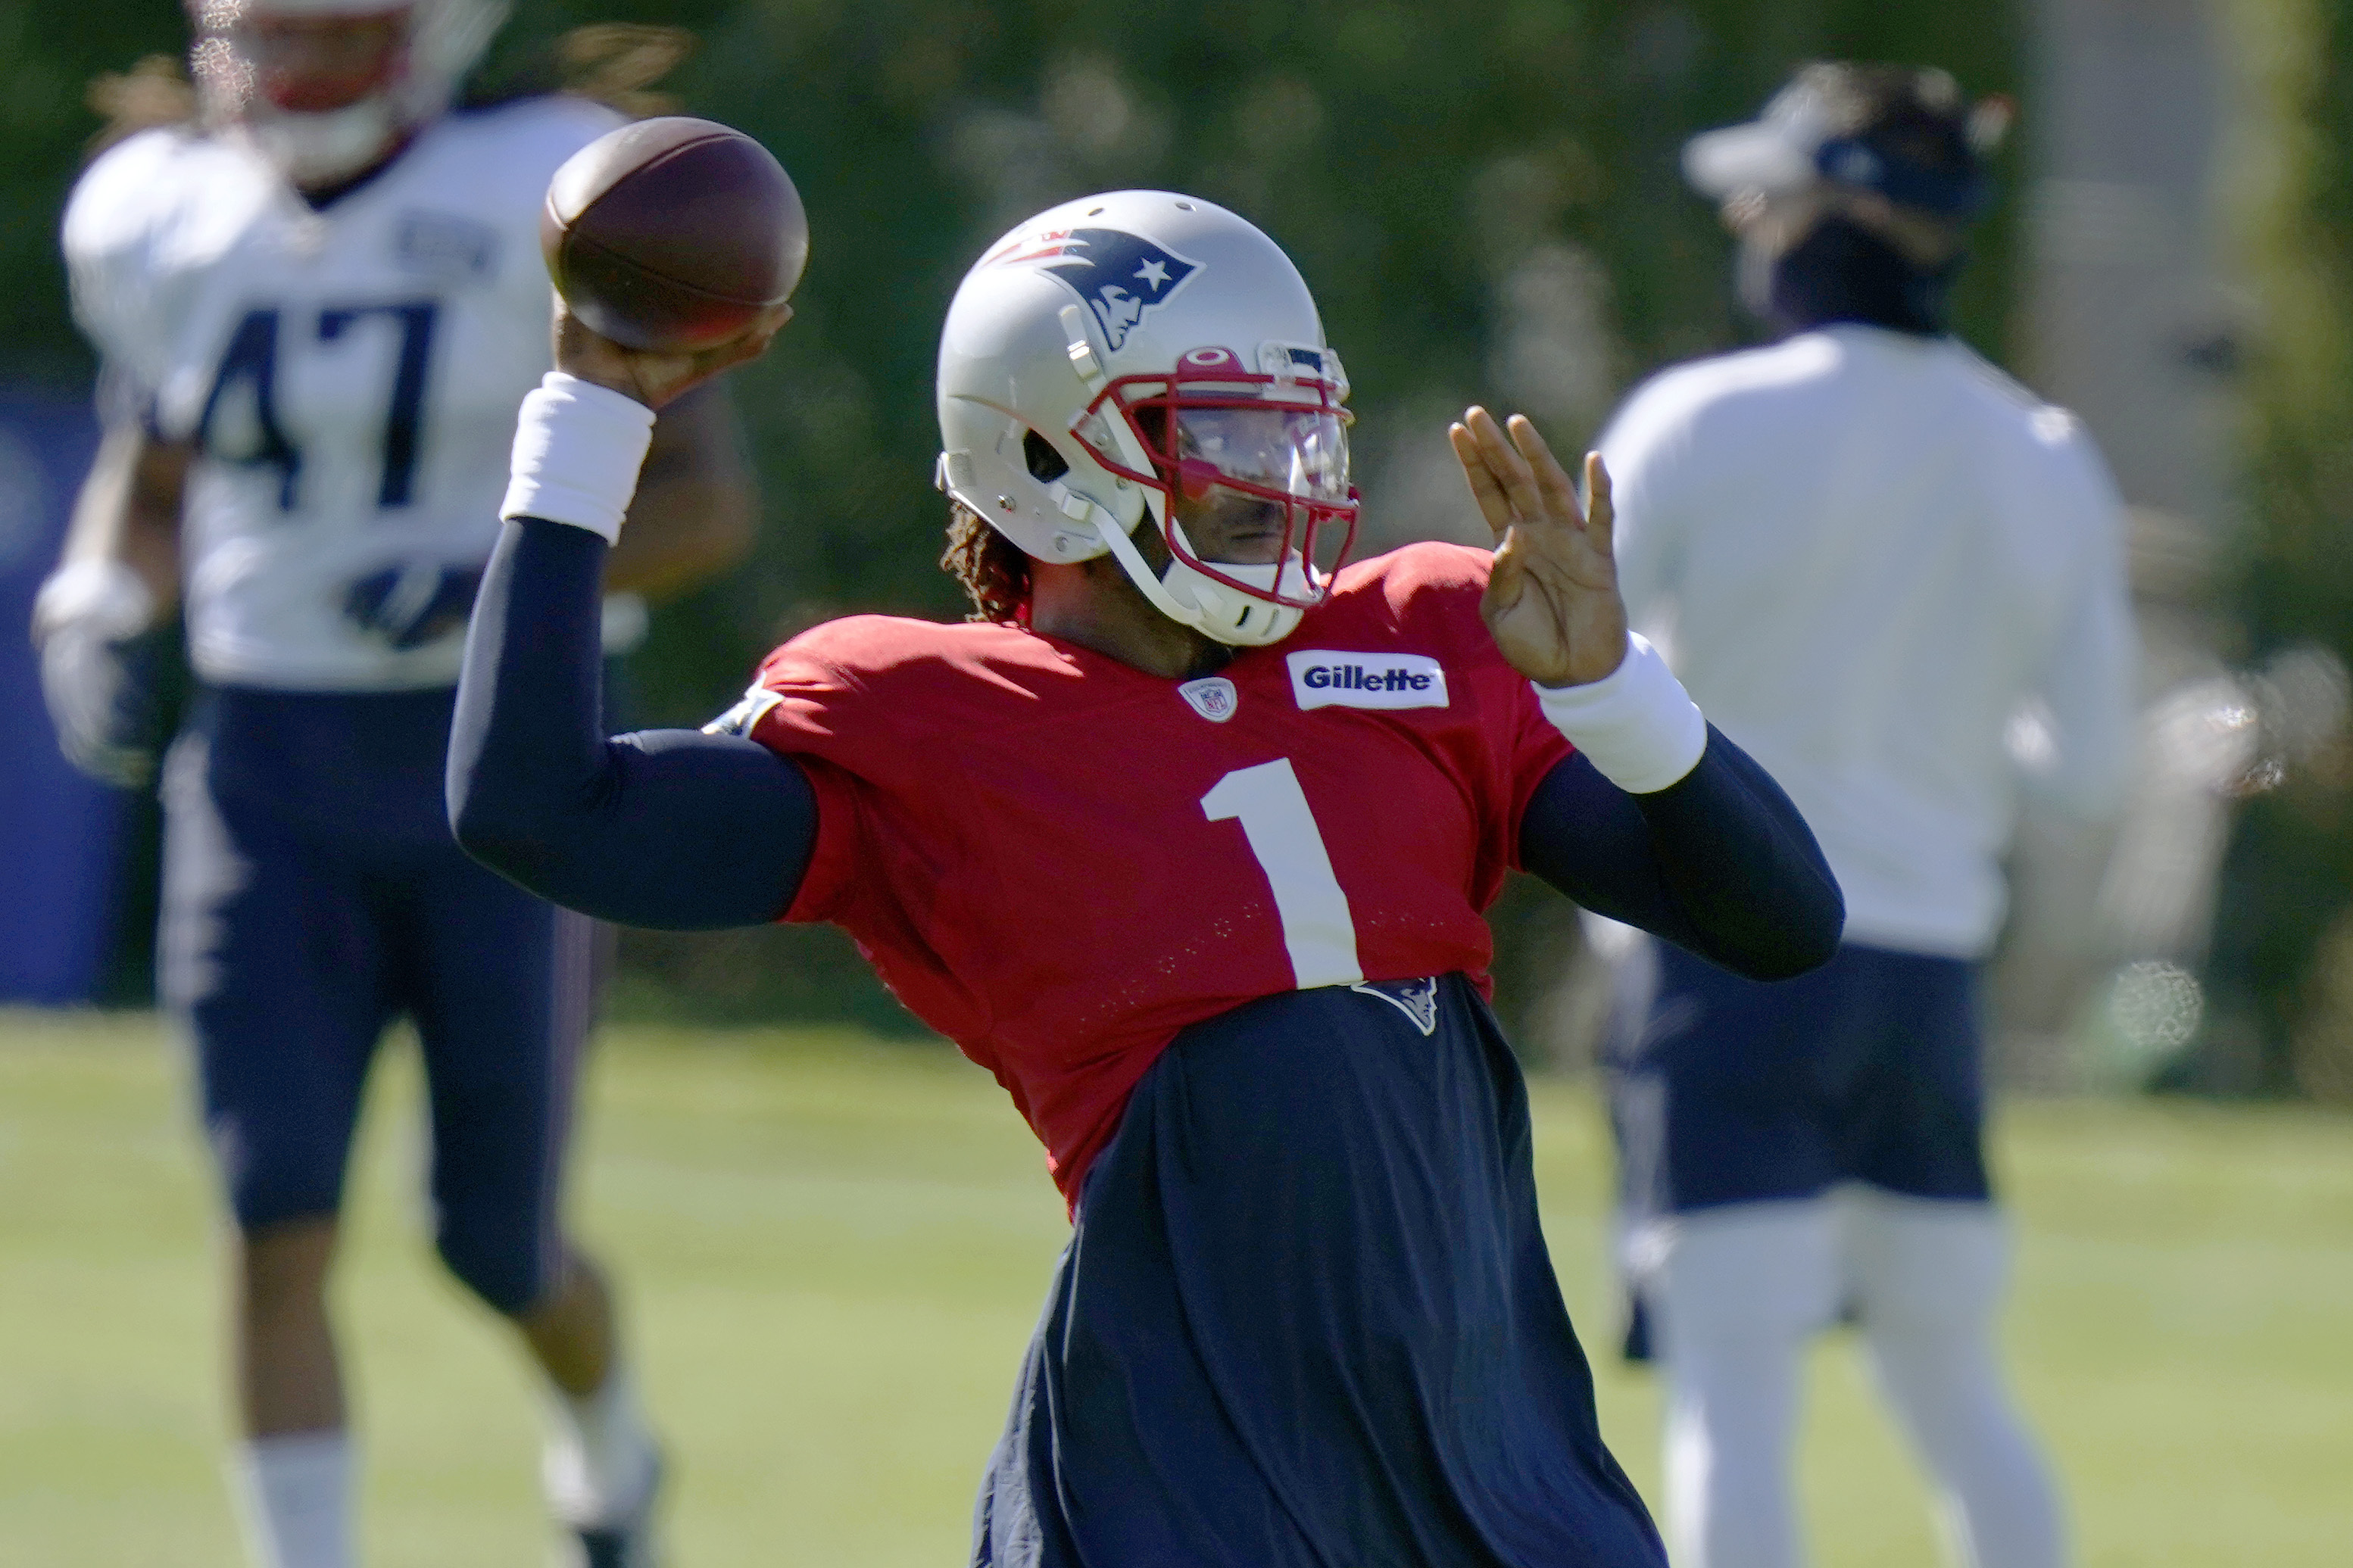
(1119, 275)
(1417, 999)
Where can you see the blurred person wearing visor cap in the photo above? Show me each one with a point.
(1853, 193)
(1872, 558)
(319, 307)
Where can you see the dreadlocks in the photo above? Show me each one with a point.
(993, 570)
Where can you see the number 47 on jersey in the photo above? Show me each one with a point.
(250, 363)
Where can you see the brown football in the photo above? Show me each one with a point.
(673, 234)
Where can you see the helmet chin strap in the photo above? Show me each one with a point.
(1191, 599)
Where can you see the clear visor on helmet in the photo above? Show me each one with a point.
(1299, 452)
(1253, 467)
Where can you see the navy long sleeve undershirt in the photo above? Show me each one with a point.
(669, 828)
(680, 830)
(1719, 862)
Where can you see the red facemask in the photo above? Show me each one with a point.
(1263, 450)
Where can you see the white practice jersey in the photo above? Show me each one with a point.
(350, 378)
(1868, 556)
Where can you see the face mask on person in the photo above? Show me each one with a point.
(1842, 272)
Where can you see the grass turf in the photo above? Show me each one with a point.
(834, 1251)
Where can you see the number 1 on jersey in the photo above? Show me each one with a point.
(1317, 927)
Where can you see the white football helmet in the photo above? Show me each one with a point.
(1118, 351)
(438, 42)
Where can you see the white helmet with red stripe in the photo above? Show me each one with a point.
(323, 89)
(1121, 352)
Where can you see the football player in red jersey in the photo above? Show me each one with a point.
(1185, 837)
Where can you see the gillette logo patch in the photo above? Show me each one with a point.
(1322, 677)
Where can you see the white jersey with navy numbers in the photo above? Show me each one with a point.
(1867, 553)
(349, 377)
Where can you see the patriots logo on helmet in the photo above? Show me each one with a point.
(1120, 275)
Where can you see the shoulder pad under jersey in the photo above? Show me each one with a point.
(142, 199)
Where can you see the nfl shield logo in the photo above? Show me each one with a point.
(1213, 698)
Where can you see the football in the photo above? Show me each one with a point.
(673, 234)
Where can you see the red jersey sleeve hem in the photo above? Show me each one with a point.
(833, 860)
(1539, 749)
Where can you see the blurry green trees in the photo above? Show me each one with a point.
(1439, 177)
(1408, 155)
(1487, 203)
(2284, 949)
(48, 53)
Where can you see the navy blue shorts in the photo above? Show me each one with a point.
(1725, 1090)
(311, 894)
(1307, 1320)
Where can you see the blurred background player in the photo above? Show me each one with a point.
(318, 309)
(1873, 560)
(1187, 842)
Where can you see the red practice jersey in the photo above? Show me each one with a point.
(1058, 861)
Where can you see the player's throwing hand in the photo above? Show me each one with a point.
(1551, 602)
(652, 377)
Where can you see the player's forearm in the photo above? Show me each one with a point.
(673, 829)
(128, 511)
(1743, 867)
(1718, 862)
(2090, 692)
(1661, 822)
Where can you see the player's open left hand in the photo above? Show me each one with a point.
(1552, 599)
(653, 378)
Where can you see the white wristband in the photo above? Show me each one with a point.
(1636, 725)
(577, 450)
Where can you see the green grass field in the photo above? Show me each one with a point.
(835, 1249)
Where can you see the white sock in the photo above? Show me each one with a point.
(295, 1492)
(599, 1462)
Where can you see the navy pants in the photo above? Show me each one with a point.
(1307, 1320)
(311, 894)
